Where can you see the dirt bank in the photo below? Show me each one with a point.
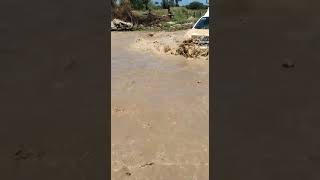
(172, 43)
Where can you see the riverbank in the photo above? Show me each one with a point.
(158, 19)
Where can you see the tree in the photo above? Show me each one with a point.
(146, 4)
(137, 4)
(171, 2)
(164, 4)
(113, 3)
(196, 5)
(177, 3)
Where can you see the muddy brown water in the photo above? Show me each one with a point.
(159, 114)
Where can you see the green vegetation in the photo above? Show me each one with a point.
(183, 18)
(136, 4)
(143, 13)
(165, 4)
(146, 3)
(196, 5)
(183, 15)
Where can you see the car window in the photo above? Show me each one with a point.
(203, 23)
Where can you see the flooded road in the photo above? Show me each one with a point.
(160, 114)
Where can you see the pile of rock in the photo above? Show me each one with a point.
(118, 25)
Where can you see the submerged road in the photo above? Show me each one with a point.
(160, 114)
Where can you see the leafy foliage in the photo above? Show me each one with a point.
(196, 5)
(137, 4)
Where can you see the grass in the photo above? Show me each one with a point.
(181, 14)
(183, 18)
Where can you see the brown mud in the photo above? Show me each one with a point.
(159, 111)
(175, 43)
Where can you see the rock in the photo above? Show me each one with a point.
(113, 27)
(118, 25)
(171, 23)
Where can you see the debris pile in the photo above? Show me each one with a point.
(194, 47)
(118, 25)
(175, 43)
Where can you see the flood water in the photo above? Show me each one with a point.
(160, 114)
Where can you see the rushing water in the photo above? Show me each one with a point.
(159, 113)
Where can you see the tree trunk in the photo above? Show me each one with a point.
(169, 11)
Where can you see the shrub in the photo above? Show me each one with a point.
(137, 4)
(122, 11)
(152, 5)
(146, 3)
(196, 5)
(171, 3)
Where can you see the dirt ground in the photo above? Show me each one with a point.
(159, 110)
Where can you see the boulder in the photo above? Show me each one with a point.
(171, 23)
(119, 25)
(113, 27)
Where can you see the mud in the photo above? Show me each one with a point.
(159, 112)
(178, 43)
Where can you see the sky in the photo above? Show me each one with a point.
(185, 2)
